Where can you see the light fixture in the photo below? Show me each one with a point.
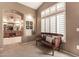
(29, 18)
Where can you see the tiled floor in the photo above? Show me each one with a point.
(27, 50)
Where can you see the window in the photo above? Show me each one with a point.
(47, 11)
(43, 25)
(52, 9)
(60, 6)
(42, 13)
(53, 24)
(61, 24)
(47, 25)
(53, 20)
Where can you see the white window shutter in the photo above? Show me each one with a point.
(53, 24)
(47, 25)
(61, 24)
(43, 25)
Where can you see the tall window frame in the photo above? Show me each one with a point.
(58, 9)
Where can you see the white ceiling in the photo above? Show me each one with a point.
(34, 5)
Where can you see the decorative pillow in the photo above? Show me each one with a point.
(49, 39)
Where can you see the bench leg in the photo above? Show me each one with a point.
(37, 43)
(52, 51)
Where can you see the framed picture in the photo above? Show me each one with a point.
(29, 25)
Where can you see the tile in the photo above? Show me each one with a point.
(28, 49)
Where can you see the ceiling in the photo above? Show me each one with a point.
(34, 5)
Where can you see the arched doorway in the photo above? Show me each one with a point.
(12, 26)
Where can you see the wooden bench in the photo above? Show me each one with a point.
(55, 44)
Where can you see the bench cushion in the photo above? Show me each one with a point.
(49, 39)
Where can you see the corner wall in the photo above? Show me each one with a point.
(72, 23)
(1, 33)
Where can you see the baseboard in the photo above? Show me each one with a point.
(67, 52)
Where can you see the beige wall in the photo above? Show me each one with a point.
(72, 22)
(1, 33)
(21, 8)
